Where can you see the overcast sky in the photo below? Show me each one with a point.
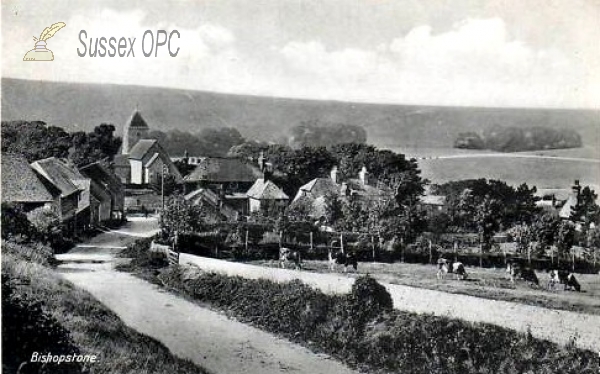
(526, 53)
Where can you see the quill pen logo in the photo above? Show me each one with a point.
(40, 52)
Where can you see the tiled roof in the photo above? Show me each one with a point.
(20, 183)
(567, 209)
(221, 170)
(318, 187)
(140, 148)
(101, 174)
(136, 120)
(56, 173)
(268, 190)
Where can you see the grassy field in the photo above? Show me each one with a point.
(93, 328)
(482, 282)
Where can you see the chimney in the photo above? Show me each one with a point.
(261, 161)
(576, 188)
(334, 174)
(363, 175)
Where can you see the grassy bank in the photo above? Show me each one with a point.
(87, 326)
(363, 330)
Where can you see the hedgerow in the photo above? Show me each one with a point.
(362, 329)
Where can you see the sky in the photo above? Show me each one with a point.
(505, 53)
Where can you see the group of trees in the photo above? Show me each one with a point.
(317, 134)
(36, 140)
(515, 139)
(214, 142)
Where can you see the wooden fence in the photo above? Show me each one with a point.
(167, 250)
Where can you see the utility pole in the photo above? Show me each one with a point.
(162, 186)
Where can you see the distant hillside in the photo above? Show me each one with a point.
(83, 106)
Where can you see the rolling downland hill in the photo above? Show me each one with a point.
(81, 106)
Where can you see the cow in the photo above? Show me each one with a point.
(519, 271)
(342, 258)
(454, 267)
(563, 277)
(288, 255)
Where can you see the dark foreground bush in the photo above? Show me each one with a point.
(70, 320)
(26, 329)
(363, 330)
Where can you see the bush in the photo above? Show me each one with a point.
(26, 329)
(32, 252)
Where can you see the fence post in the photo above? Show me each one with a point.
(573, 253)
(373, 247)
(342, 242)
(311, 240)
(246, 241)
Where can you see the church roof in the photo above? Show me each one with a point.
(137, 121)
(140, 148)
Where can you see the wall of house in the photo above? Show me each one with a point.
(254, 205)
(137, 176)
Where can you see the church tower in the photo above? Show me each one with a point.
(135, 129)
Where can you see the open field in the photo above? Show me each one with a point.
(487, 283)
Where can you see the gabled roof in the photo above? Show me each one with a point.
(567, 209)
(318, 187)
(102, 175)
(266, 190)
(57, 173)
(20, 183)
(221, 170)
(140, 148)
(137, 121)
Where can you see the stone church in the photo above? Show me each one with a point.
(142, 160)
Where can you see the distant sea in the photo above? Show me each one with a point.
(556, 169)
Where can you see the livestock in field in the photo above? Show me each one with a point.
(454, 267)
(520, 271)
(342, 258)
(563, 277)
(287, 255)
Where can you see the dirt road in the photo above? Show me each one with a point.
(207, 338)
(554, 325)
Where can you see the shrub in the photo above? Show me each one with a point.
(26, 328)
(32, 252)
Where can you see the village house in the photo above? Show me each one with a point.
(266, 195)
(107, 194)
(21, 185)
(363, 189)
(69, 202)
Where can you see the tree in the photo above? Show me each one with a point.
(586, 210)
(35, 140)
(46, 222)
(181, 216)
(543, 230)
(488, 222)
(94, 146)
(565, 238)
(16, 223)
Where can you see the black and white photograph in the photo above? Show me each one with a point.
(300, 186)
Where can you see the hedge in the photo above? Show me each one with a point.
(363, 330)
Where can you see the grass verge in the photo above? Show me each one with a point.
(90, 328)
